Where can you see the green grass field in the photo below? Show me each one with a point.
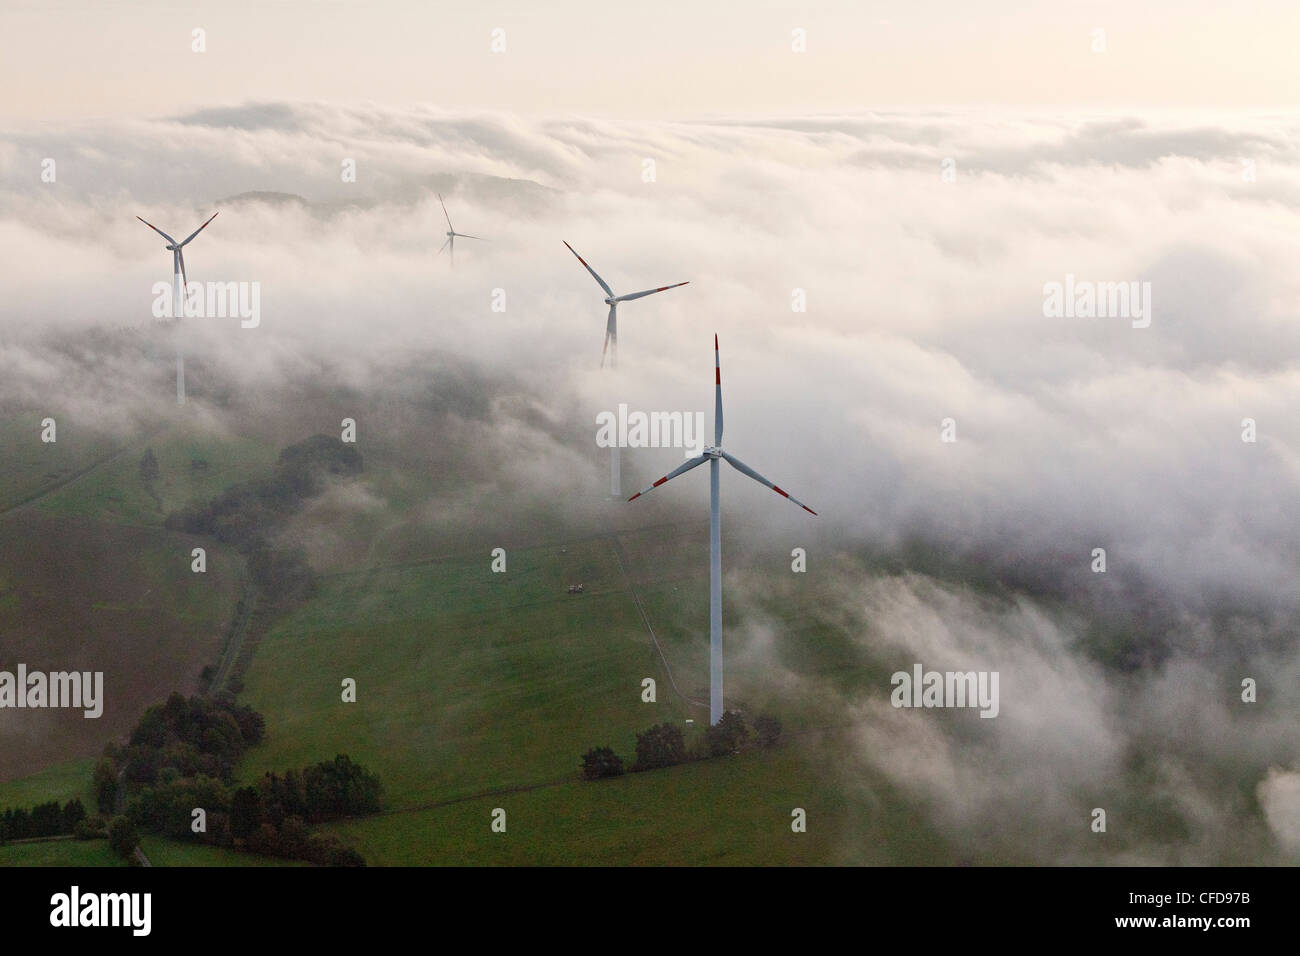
(732, 811)
(458, 670)
(191, 469)
(479, 690)
(476, 690)
(62, 782)
(60, 853)
(163, 851)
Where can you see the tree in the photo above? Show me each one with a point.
(123, 837)
(91, 828)
(104, 781)
(148, 466)
(660, 746)
(245, 813)
(339, 788)
(601, 762)
(46, 820)
(73, 813)
(768, 729)
(728, 735)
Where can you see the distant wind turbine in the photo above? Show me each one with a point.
(452, 234)
(180, 284)
(712, 454)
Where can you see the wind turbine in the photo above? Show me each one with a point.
(179, 286)
(612, 300)
(452, 234)
(611, 338)
(713, 454)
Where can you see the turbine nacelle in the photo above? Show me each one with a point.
(712, 451)
(611, 300)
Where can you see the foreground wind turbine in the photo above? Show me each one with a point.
(612, 300)
(712, 454)
(179, 286)
(452, 234)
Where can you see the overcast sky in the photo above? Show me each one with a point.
(64, 58)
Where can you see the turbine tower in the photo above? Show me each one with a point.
(713, 454)
(180, 284)
(452, 234)
(611, 339)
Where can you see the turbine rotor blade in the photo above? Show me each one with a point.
(185, 283)
(744, 469)
(157, 230)
(444, 245)
(198, 230)
(444, 212)
(638, 295)
(599, 281)
(717, 393)
(611, 334)
(687, 466)
(461, 235)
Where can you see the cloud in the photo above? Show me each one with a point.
(1279, 794)
(924, 302)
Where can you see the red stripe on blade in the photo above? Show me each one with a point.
(659, 482)
(783, 494)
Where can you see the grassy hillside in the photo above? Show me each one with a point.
(60, 853)
(89, 580)
(31, 466)
(731, 811)
(192, 468)
(466, 680)
(479, 690)
(61, 781)
(475, 689)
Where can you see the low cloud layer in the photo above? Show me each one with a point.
(921, 243)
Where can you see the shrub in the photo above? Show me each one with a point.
(91, 828)
(728, 735)
(660, 746)
(768, 729)
(123, 837)
(601, 762)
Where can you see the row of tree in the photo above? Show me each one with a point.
(246, 515)
(270, 817)
(199, 736)
(664, 745)
(42, 820)
(180, 758)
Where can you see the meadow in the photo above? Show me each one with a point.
(475, 689)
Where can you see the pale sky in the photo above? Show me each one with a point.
(63, 59)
